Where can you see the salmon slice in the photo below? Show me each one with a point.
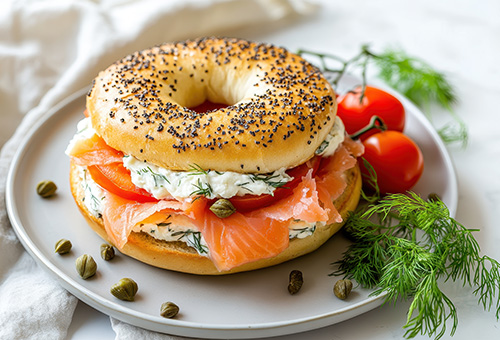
(94, 151)
(303, 204)
(121, 215)
(356, 148)
(330, 183)
(240, 239)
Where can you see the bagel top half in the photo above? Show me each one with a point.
(280, 107)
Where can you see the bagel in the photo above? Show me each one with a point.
(140, 105)
(213, 156)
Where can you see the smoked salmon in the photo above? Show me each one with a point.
(242, 237)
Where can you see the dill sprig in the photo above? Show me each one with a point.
(423, 85)
(202, 189)
(193, 239)
(404, 245)
(415, 78)
(411, 76)
(269, 179)
(156, 176)
(370, 180)
(196, 170)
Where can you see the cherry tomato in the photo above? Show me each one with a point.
(115, 178)
(396, 159)
(250, 202)
(376, 102)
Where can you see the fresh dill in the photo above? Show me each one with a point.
(423, 85)
(202, 189)
(322, 147)
(411, 76)
(156, 176)
(193, 239)
(196, 170)
(305, 230)
(243, 185)
(269, 179)
(95, 202)
(370, 182)
(403, 246)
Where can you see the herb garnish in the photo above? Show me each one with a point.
(195, 170)
(193, 239)
(305, 230)
(411, 76)
(202, 189)
(156, 176)
(412, 245)
(268, 179)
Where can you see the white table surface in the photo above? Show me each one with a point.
(461, 38)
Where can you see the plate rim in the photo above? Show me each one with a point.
(190, 328)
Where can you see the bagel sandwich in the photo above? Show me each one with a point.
(213, 156)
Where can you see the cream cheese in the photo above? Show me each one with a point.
(84, 130)
(164, 183)
(93, 194)
(179, 229)
(332, 141)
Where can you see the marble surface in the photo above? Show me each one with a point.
(461, 38)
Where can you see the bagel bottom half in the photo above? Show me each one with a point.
(180, 257)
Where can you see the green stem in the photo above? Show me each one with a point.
(375, 123)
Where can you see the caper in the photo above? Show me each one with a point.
(342, 289)
(296, 281)
(86, 266)
(107, 252)
(222, 208)
(169, 310)
(46, 188)
(63, 246)
(125, 289)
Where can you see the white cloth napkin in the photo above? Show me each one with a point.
(50, 49)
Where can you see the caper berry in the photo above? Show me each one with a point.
(107, 252)
(296, 281)
(222, 208)
(125, 289)
(46, 189)
(86, 266)
(342, 289)
(169, 310)
(63, 246)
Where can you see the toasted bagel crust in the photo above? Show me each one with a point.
(180, 257)
(281, 107)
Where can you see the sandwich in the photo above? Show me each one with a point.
(213, 156)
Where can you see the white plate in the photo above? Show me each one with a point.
(245, 305)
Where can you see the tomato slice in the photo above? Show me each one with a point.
(115, 178)
(251, 202)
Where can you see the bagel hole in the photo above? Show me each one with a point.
(207, 105)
